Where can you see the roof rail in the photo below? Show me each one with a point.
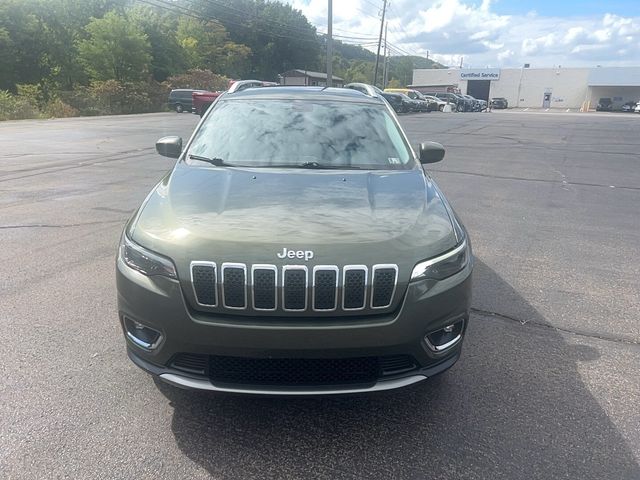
(365, 88)
(244, 84)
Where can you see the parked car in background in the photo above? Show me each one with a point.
(203, 99)
(605, 104)
(629, 106)
(468, 103)
(499, 103)
(483, 105)
(413, 104)
(396, 101)
(440, 103)
(637, 109)
(180, 99)
(472, 103)
(425, 104)
(456, 102)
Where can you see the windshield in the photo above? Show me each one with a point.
(283, 133)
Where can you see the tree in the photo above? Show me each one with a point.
(206, 45)
(394, 83)
(359, 71)
(167, 56)
(22, 45)
(115, 49)
(62, 23)
(279, 36)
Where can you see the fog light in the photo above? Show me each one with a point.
(445, 338)
(141, 335)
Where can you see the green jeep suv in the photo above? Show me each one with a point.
(297, 247)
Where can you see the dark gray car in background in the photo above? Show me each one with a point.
(297, 247)
(180, 99)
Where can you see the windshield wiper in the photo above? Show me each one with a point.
(322, 166)
(218, 162)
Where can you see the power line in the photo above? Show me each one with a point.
(372, 4)
(242, 14)
(404, 32)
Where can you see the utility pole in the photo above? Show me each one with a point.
(330, 45)
(375, 71)
(461, 58)
(385, 69)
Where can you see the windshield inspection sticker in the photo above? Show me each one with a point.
(394, 161)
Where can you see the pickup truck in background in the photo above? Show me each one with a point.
(202, 100)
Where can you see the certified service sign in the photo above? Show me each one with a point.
(480, 74)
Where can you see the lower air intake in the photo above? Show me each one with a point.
(293, 371)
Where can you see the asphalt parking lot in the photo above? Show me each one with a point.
(547, 386)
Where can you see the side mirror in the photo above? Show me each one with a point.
(431, 152)
(169, 146)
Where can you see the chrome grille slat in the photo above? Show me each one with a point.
(234, 285)
(204, 281)
(383, 285)
(295, 286)
(325, 288)
(264, 280)
(354, 287)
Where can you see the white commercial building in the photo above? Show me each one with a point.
(537, 87)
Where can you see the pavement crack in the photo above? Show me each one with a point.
(60, 167)
(542, 180)
(68, 225)
(608, 338)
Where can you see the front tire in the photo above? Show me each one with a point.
(179, 108)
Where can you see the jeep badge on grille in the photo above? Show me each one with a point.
(286, 253)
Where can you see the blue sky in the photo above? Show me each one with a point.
(494, 33)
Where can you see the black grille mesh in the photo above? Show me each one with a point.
(234, 287)
(394, 364)
(325, 290)
(190, 362)
(204, 284)
(295, 289)
(264, 288)
(293, 371)
(354, 288)
(384, 280)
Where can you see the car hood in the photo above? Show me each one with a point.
(248, 215)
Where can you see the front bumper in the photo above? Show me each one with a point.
(191, 382)
(158, 303)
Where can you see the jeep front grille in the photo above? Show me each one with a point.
(294, 288)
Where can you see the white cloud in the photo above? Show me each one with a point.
(451, 29)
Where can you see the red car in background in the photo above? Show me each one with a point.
(203, 100)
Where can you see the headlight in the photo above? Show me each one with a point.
(443, 266)
(145, 261)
